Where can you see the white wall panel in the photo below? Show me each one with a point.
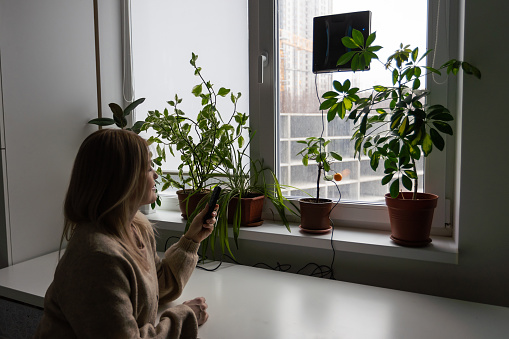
(49, 93)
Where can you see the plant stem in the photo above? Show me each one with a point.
(320, 167)
(416, 180)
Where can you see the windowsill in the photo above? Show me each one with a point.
(355, 240)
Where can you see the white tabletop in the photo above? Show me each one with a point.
(246, 302)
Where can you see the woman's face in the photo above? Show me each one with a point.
(150, 194)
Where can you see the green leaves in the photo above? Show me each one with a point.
(386, 179)
(132, 106)
(315, 150)
(206, 145)
(427, 144)
(197, 90)
(137, 127)
(394, 125)
(394, 189)
(350, 42)
(453, 66)
(117, 110)
(443, 127)
(363, 52)
(223, 92)
(345, 58)
(470, 69)
(340, 102)
(102, 121)
(119, 116)
(336, 156)
(437, 139)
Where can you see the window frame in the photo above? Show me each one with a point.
(264, 108)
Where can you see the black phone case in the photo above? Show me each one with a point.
(212, 203)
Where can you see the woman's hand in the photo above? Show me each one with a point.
(199, 308)
(199, 231)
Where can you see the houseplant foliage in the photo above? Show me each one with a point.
(120, 117)
(396, 125)
(315, 150)
(199, 142)
(315, 211)
(213, 150)
(245, 184)
(392, 124)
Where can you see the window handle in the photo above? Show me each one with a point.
(263, 61)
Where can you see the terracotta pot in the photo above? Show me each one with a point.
(250, 210)
(314, 216)
(185, 198)
(411, 219)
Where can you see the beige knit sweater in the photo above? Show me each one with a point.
(99, 291)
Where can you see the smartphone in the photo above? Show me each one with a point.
(212, 203)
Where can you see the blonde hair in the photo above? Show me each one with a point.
(108, 183)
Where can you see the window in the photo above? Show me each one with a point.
(288, 99)
(280, 94)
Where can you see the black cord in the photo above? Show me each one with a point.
(332, 233)
(168, 239)
(219, 265)
(210, 269)
(278, 267)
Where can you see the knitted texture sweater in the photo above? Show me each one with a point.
(99, 291)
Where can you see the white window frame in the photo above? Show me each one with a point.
(264, 110)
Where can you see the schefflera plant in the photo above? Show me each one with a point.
(395, 124)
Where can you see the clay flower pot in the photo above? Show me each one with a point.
(411, 219)
(250, 210)
(314, 216)
(188, 202)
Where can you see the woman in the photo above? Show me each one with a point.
(110, 281)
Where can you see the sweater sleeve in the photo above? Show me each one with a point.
(99, 303)
(175, 268)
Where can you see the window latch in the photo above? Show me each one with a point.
(263, 61)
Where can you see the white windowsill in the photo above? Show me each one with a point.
(356, 240)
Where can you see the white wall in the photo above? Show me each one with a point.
(49, 93)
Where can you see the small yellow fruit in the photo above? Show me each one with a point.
(338, 177)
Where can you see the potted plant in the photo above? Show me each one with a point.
(198, 141)
(245, 191)
(240, 181)
(396, 125)
(213, 150)
(245, 187)
(315, 211)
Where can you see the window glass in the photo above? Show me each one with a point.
(300, 90)
(164, 36)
